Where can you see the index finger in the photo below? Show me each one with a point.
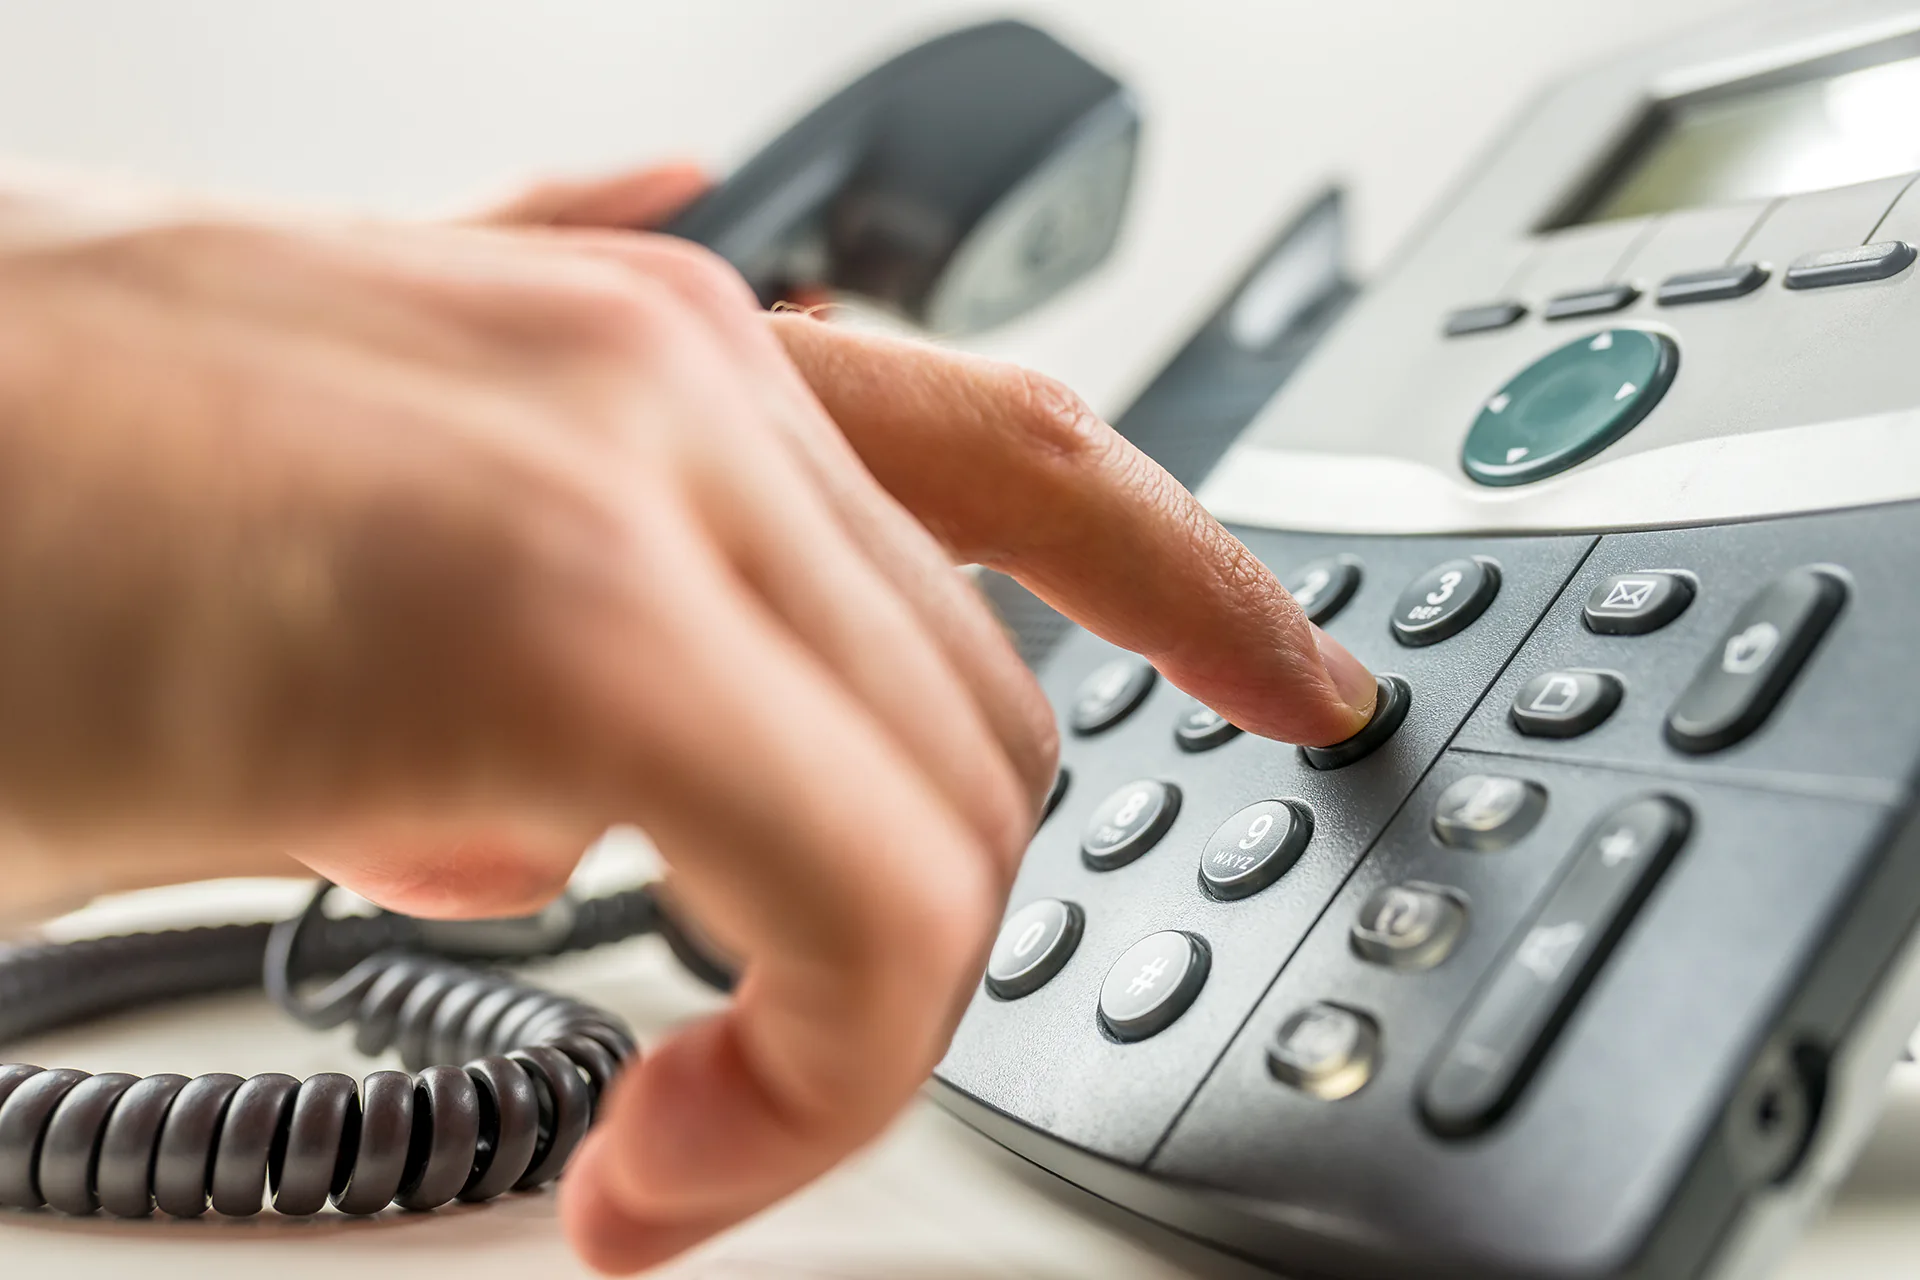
(1011, 470)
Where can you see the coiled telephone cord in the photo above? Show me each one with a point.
(535, 1067)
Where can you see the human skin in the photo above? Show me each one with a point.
(425, 553)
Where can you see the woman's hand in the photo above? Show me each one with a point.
(428, 553)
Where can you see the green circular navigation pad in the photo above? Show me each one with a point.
(1569, 405)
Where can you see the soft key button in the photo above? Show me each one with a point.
(1408, 926)
(1715, 284)
(1564, 704)
(1487, 812)
(1599, 300)
(1632, 604)
(1325, 1050)
(1750, 667)
(1513, 1019)
(1850, 266)
(1482, 318)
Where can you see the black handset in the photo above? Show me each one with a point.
(960, 184)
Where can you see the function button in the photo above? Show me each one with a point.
(1055, 794)
(1325, 1050)
(1110, 694)
(1202, 729)
(1322, 588)
(1850, 266)
(1152, 984)
(1390, 705)
(1564, 704)
(1487, 812)
(1408, 926)
(1510, 1025)
(1597, 301)
(1034, 944)
(1569, 405)
(1255, 847)
(1632, 604)
(1128, 823)
(1444, 600)
(1750, 668)
(1484, 317)
(1712, 285)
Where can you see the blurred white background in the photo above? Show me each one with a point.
(416, 106)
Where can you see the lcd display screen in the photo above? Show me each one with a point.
(1804, 136)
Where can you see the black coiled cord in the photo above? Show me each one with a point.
(536, 1065)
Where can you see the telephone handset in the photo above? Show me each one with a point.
(959, 184)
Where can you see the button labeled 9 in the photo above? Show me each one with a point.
(1255, 847)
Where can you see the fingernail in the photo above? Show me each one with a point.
(1355, 684)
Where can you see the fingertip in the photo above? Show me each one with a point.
(602, 1232)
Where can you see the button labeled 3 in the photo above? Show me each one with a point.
(1444, 600)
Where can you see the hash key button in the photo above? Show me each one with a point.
(1152, 983)
(1752, 664)
(1632, 604)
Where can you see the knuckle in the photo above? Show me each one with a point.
(1056, 423)
(699, 275)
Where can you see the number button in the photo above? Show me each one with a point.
(1128, 823)
(1255, 847)
(1034, 945)
(1110, 694)
(1444, 601)
(1322, 588)
(1202, 729)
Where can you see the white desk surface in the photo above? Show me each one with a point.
(930, 1201)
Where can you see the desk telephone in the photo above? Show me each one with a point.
(1588, 957)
